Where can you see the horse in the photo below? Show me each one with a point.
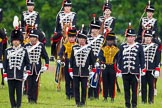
(59, 68)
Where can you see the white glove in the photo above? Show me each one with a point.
(156, 74)
(103, 66)
(62, 64)
(5, 79)
(1, 65)
(97, 64)
(44, 68)
(91, 74)
(25, 75)
(143, 73)
(71, 74)
(118, 75)
(58, 61)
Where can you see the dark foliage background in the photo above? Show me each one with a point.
(123, 10)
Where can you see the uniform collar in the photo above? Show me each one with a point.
(17, 47)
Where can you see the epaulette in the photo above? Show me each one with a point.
(36, 12)
(113, 17)
(24, 12)
(73, 12)
(9, 48)
(61, 12)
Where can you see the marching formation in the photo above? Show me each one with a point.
(90, 58)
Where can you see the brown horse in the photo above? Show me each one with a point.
(63, 40)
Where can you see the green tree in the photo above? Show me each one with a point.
(124, 11)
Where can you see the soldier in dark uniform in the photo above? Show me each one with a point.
(79, 62)
(108, 56)
(3, 44)
(64, 19)
(36, 51)
(148, 23)
(2, 35)
(96, 46)
(130, 60)
(15, 59)
(108, 22)
(2, 50)
(152, 60)
(30, 18)
(26, 40)
(65, 53)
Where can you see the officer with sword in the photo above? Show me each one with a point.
(36, 51)
(96, 41)
(81, 57)
(130, 60)
(152, 60)
(108, 57)
(64, 19)
(15, 59)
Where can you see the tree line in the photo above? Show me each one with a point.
(123, 10)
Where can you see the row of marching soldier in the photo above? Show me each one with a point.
(93, 58)
(132, 60)
(22, 64)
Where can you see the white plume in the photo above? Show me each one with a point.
(16, 22)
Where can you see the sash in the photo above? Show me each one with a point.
(14, 53)
(148, 47)
(129, 47)
(150, 21)
(107, 19)
(33, 47)
(30, 14)
(87, 45)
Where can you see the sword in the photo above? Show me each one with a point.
(42, 70)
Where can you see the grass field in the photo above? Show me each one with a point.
(50, 98)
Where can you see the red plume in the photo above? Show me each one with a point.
(148, 5)
(63, 2)
(26, 2)
(94, 17)
(107, 32)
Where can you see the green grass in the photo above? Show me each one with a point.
(50, 98)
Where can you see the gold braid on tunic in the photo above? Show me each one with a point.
(1, 40)
(109, 53)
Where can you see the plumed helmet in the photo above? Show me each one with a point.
(150, 8)
(67, 3)
(82, 33)
(107, 6)
(16, 35)
(110, 36)
(72, 32)
(30, 2)
(130, 32)
(148, 33)
(33, 33)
